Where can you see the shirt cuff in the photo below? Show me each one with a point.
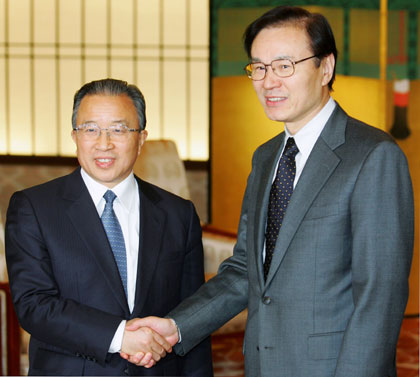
(116, 343)
(177, 329)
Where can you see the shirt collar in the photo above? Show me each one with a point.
(125, 190)
(307, 136)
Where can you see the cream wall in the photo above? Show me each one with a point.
(239, 126)
(50, 48)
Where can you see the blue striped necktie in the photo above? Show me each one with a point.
(115, 236)
(280, 194)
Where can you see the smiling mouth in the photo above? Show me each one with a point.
(109, 159)
(104, 163)
(275, 99)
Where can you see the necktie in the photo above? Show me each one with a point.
(280, 193)
(115, 236)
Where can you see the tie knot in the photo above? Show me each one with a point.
(291, 149)
(110, 196)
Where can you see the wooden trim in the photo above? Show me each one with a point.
(39, 160)
(196, 165)
(217, 231)
(72, 161)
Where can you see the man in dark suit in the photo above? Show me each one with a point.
(325, 236)
(88, 252)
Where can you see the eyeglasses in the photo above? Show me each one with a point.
(281, 68)
(91, 131)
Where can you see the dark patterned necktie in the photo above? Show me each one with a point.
(115, 236)
(280, 194)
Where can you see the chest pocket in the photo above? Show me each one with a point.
(319, 212)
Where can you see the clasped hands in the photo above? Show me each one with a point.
(147, 340)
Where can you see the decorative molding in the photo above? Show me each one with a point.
(38, 160)
(72, 161)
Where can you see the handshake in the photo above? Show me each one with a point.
(147, 340)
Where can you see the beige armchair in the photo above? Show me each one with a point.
(159, 163)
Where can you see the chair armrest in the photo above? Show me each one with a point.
(218, 245)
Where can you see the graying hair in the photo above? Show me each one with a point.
(111, 87)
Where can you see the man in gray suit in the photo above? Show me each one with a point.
(325, 283)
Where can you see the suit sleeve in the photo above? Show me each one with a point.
(222, 297)
(197, 362)
(382, 244)
(63, 323)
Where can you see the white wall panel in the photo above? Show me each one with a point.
(161, 45)
(69, 21)
(2, 20)
(96, 51)
(174, 19)
(20, 107)
(122, 69)
(121, 21)
(152, 52)
(199, 108)
(199, 22)
(19, 21)
(45, 107)
(3, 94)
(121, 51)
(95, 69)
(179, 52)
(148, 22)
(96, 17)
(70, 82)
(20, 50)
(148, 81)
(174, 105)
(44, 21)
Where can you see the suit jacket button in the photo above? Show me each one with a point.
(266, 300)
(126, 372)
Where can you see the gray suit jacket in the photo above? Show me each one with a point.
(335, 296)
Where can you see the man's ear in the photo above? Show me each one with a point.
(327, 65)
(143, 137)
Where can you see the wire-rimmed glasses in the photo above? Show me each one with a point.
(117, 131)
(284, 67)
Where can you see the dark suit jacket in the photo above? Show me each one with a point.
(334, 299)
(65, 283)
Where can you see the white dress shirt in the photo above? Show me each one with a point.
(307, 136)
(127, 209)
(305, 140)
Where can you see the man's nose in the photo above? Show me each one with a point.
(271, 79)
(104, 140)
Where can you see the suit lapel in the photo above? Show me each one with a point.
(269, 158)
(318, 168)
(84, 217)
(152, 220)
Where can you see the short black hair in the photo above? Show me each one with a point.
(111, 87)
(318, 29)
